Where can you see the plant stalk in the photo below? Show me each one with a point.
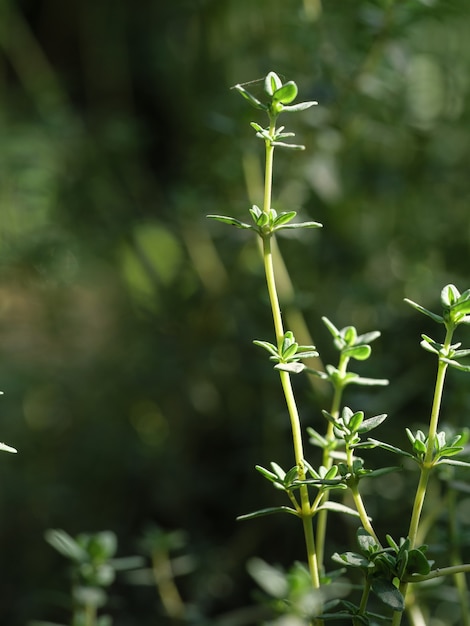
(427, 464)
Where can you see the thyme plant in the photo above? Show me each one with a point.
(387, 565)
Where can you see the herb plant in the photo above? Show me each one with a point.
(387, 565)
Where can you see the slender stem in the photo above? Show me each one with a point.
(327, 462)
(354, 487)
(427, 464)
(305, 507)
(272, 290)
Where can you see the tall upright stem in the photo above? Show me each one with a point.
(306, 512)
(427, 464)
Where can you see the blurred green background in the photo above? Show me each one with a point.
(132, 389)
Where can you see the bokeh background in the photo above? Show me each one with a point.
(131, 386)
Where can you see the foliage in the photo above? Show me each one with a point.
(129, 381)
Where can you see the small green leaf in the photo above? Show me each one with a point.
(65, 544)
(418, 563)
(272, 83)
(419, 446)
(351, 559)
(268, 511)
(271, 348)
(301, 106)
(251, 99)
(366, 542)
(267, 474)
(356, 421)
(298, 225)
(368, 337)
(286, 94)
(290, 146)
(291, 368)
(372, 422)
(449, 296)
(360, 353)
(456, 365)
(289, 351)
(230, 220)
(445, 461)
(388, 594)
(283, 218)
(349, 335)
(331, 505)
(366, 382)
(421, 309)
(389, 447)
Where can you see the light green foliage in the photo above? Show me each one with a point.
(386, 570)
(94, 567)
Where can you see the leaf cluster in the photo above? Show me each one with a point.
(266, 223)
(287, 356)
(383, 568)
(279, 96)
(94, 568)
(350, 346)
(443, 448)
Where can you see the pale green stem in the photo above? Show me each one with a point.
(427, 462)
(327, 462)
(360, 508)
(305, 507)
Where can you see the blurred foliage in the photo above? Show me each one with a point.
(132, 390)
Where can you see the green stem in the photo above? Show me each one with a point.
(359, 504)
(322, 520)
(427, 464)
(306, 513)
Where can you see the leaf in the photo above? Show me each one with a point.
(267, 474)
(303, 225)
(418, 563)
(291, 368)
(251, 99)
(445, 461)
(388, 593)
(283, 218)
(65, 544)
(291, 146)
(372, 422)
(352, 560)
(271, 348)
(367, 382)
(366, 542)
(301, 106)
(331, 327)
(268, 511)
(368, 337)
(286, 94)
(421, 309)
(272, 83)
(360, 353)
(356, 421)
(390, 448)
(449, 295)
(456, 365)
(331, 505)
(226, 219)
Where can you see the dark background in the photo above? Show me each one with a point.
(132, 389)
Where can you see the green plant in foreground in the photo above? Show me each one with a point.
(94, 568)
(387, 569)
